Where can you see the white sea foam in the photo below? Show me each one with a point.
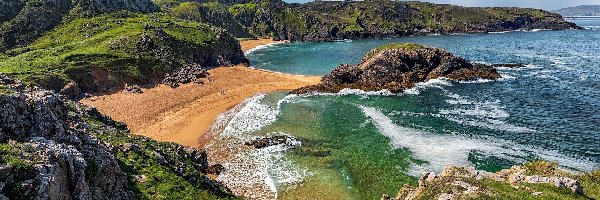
(439, 150)
(433, 83)
(527, 67)
(254, 173)
(264, 46)
(252, 117)
(486, 114)
(500, 32)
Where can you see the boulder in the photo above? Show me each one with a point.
(192, 73)
(396, 67)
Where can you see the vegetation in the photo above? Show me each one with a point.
(108, 42)
(22, 170)
(157, 170)
(491, 189)
(405, 46)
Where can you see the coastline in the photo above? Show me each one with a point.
(253, 44)
(185, 114)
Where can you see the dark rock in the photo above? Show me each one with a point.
(192, 73)
(215, 169)
(71, 91)
(160, 158)
(131, 147)
(133, 89)
(272, 141)
(509, 65)
(397, 67)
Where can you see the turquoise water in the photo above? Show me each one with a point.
(355, 145)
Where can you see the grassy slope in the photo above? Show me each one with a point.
(107, 42)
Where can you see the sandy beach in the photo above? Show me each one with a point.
(184, 114)
(249, 44)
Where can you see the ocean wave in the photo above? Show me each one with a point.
(527, 67)
(257, 173)
(264, 46)
(253, 173)
(440, 150)
(486, 114)
(252, 117)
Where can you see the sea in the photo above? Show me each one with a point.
(360, 145)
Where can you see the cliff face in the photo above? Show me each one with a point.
(396, 67)
(52, 148)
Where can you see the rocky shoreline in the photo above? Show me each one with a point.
(397, 67)
(458, 182)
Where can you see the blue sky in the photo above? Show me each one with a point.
(543, 4)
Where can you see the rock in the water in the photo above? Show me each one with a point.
(272, 141)
(509, 65)
(396, 67)
(192, 73)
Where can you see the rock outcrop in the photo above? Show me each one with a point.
(44, 128)
(397, 67)
(457, 182)
(54, 148)
(189, 74)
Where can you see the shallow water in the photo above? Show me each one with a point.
(356, 145)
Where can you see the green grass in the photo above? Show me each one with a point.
(22, 170)
(161, 180)
(405, 46)
(106, 42)
(245, 7)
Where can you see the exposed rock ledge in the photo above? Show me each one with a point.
(396, 67)
(457, 182)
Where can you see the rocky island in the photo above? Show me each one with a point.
(396, 67)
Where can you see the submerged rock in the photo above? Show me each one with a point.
(396, 67)
(272, 141)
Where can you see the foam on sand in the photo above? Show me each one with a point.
(264, 46)
(253, 173)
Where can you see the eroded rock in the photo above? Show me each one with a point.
(192, 73)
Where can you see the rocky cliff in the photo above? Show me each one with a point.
(53, 148)
(396, 67)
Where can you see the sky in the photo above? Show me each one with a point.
(543, 4)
